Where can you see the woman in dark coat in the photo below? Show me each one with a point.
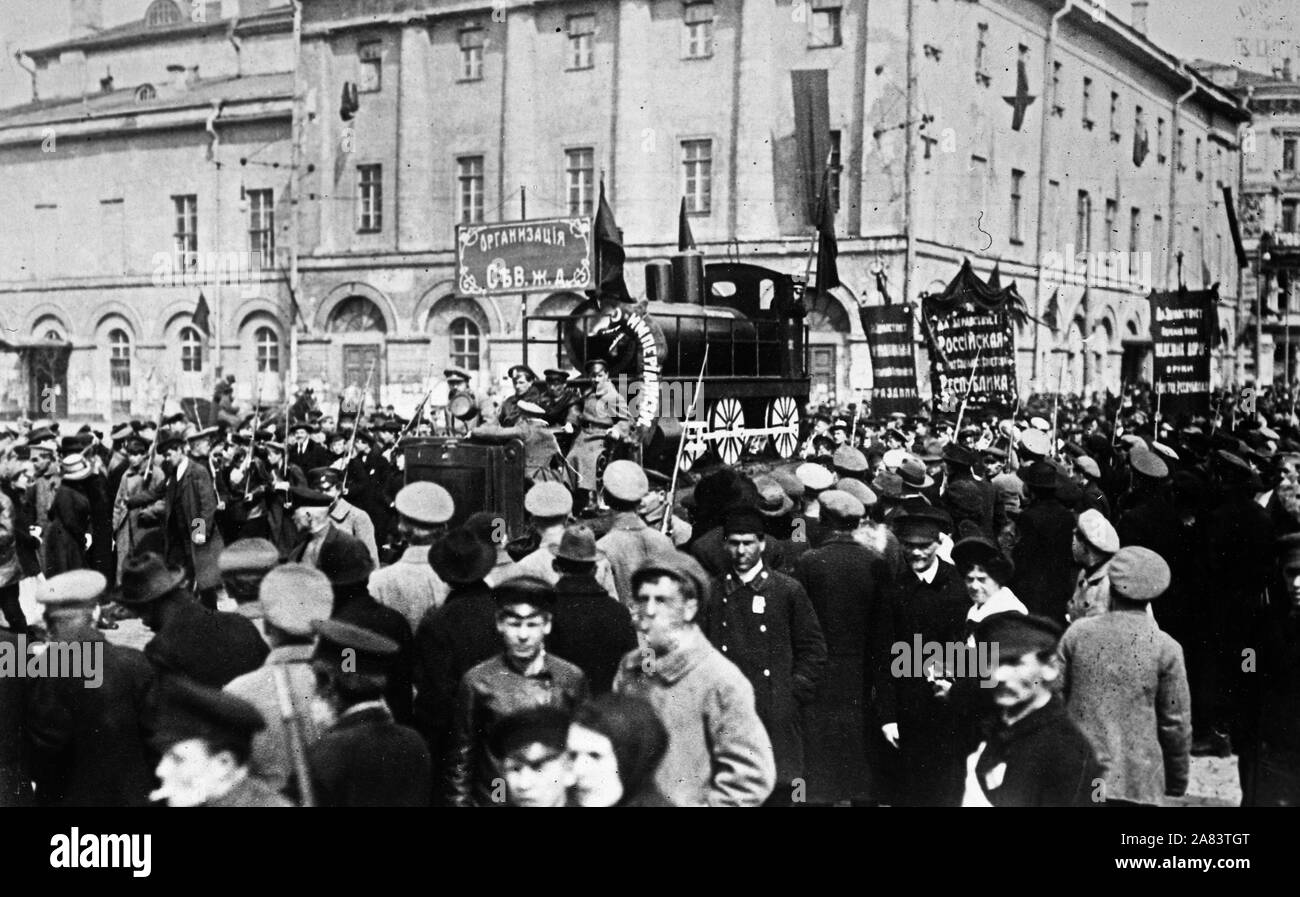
(615, 744)
(70, 519)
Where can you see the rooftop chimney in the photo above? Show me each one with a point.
(1140, 15)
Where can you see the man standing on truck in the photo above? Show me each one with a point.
(604, 417)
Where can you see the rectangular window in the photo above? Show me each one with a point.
(1289, 153)
(1196, 160)
(1112, 212)
(1017, 185)
(1114, 116)
(697, 175)
(582, 35)
(981, 54)
(1134, 239)
(1058, 105)
(1178, 151)
(261, 227)
(836, 169)
(185, 237)
(1083, 222)
(1087, 103)
(370, 198)
(112, 236)
(469, 180)
(370, 55)
(824, 25)
(471, 54)
(1289, 215)
(580, 179)
(1160, 141)
(1157, 230)
(697, 31)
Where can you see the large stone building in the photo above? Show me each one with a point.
(464, 108)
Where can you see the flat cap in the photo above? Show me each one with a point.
(248, 556)
(302, 497)
(625, 481)
(1036, 442)
(188, 710)
(546, 725)
(347, 648)
(1138, 574)
(293, 596)
(888, 484)
(960, 455)
(1148, 463)
(524, 590)
(425, 502)
(1040, 423)
(1016, 635)
(456, 374)
(849, 460)
(841, 504)
(772, 498)
(322, 478)
(679, 566)
(1039, 475)
(1088, 467)
(859, 490)
(1097, 531)
(521, 369)
(1161, 449)
(789, 481)
(549, 500)
(1288, 550)
(553, 374)
(815, 477)
(743, 520)
(76, 588)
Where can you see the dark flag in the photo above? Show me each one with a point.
(1020, 102)
(812, 136)
(828, 251)
(685, 239)
(1205, 275)
(609, 252)
(201, 316)
(995, 278)
(1141, 144)
(1052, 314)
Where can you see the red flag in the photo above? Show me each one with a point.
(685, 239)
(201, 316)
(828, 250)
(609, 252)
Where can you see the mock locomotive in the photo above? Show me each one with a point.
(735, 331)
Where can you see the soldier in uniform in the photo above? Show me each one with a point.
(205, 737)
(409, 585)
(559, 398)
(526, 390)
(463, 412)
(542, 459)
(604, 417)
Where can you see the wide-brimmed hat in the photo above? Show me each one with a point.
(460, 557)
(75, 467)
(912, 471)
(772, 498)
(146, 578)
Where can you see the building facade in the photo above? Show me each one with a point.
(1047, 140)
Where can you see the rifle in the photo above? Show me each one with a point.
(252, 440)
(157, 431)
(681, 445)
(293, 728)
(356, 425)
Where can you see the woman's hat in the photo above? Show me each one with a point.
(460, 557)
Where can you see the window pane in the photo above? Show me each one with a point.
(580, 176)
(370, 197)
(469, 175)
(697, 171)
(464, 336)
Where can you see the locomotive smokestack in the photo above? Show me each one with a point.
(659, 280)
(688, 277)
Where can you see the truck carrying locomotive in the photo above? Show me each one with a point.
(714, 358)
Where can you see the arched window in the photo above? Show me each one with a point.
(162, 13)
(827, 315)
(357, 314)
(268, 350)
(145, 92)
(54, 335)
(464, 344)
(119, 357)
(191, 350)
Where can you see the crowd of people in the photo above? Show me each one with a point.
(1059, 605)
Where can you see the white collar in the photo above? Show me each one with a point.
(929, 573)
(1001, 601)
(751, 574)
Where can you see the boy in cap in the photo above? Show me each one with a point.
(1035, 756)
(523, 675)
(291, 597)
(764, 623)
(365, 759)
(1095, 542)
(1125, 685)
(86, 734)
(205, 737)
(531, 748)
(629, 540)
(409, 585)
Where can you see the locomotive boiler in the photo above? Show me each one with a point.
(734, 330)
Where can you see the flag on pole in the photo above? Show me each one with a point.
(1052, 314)
(995, 277)
(828, 251)
(201, 316)
(609, 252)
(685, 239)
(1205, 275)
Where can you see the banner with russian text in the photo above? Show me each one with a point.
(893, 360)
(1182, 326)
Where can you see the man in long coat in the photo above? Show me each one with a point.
(604, 416)
(1045, 572)
(132, 525)
(843, 579)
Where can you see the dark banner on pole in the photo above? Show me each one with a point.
(1182, 326)
(893, 359)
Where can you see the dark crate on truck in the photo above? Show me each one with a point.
(479, 476)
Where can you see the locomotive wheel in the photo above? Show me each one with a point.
(727, 416)
(784, 412)
(693, 450)
(755, 417)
